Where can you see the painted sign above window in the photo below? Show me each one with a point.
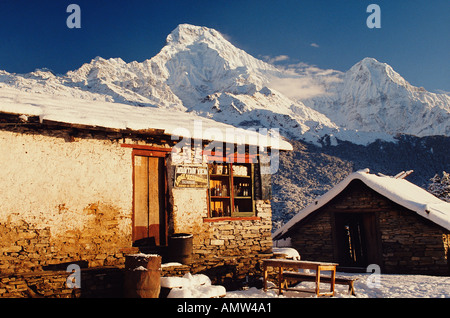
(191, 176)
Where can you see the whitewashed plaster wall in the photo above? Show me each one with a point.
(50, 182)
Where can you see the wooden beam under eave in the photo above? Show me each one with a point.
(53, 123)
(147, 132)
(12, 118)
(143, 132)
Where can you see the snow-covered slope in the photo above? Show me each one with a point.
(200, 72)
(215, 79)
(373, 97)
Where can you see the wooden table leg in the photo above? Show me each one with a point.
(318, 281)
(333, 279)
(280, 281)
(351, 289)
(265, 277)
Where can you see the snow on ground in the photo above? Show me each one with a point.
(192, 286)
(389, 286)
(288, 252)
(367, 285)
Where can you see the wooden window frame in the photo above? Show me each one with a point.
(234, 159)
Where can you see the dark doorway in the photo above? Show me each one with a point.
(356, 238)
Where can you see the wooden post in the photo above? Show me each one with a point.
(318, 281)
(280, 281)
(265, 276)
(333, 279)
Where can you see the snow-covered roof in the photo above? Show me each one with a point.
(398, 190)
(122, 116)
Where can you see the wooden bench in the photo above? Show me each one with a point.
(300, 277)
(318, 267)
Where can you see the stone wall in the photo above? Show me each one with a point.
(95, 282)
(237, 237)
(409, 243)
(229, 248)
(64, 199)
(233, 249)
(67, 197)
(26, 248)
(412, 244)
(226, 249)
(313, 238)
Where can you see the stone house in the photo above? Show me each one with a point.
(373, 219)
(88, 182)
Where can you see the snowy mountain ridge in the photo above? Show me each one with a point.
(201, 72)
(373, 97)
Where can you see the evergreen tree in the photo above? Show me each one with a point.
(440, 187)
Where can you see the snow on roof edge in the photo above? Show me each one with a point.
(123, 116)
(399, 191)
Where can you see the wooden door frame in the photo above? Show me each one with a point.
(148, 151)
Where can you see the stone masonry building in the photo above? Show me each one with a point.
(88, 182)
(370, 219)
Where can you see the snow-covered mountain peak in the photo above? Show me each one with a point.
(200, 71)
(370, 63)
(217, 80)
(370, 70)
(187, 34)
(374, 98)
(191, 43)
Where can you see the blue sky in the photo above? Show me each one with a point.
(414, 37)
